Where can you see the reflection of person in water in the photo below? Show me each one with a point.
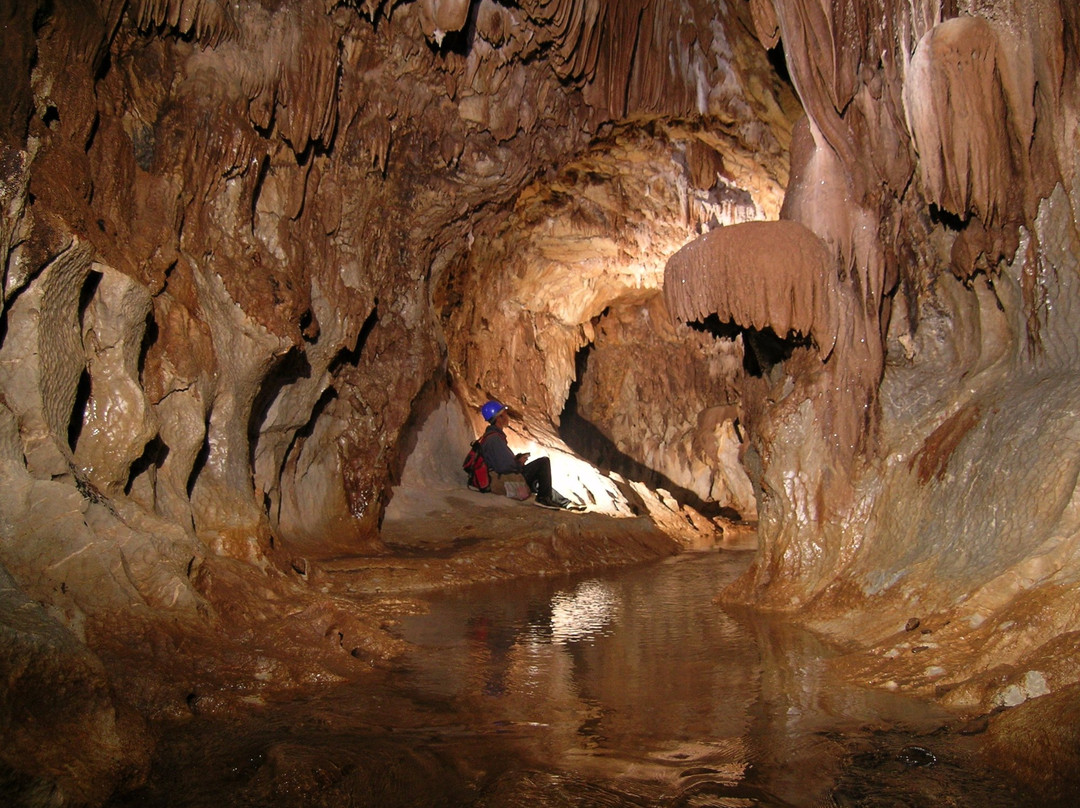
(490, 643)
(501, 460)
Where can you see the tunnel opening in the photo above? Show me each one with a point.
(598, 449)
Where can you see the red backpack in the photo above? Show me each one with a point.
(476, 467)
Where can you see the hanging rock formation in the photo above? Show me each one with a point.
(761, 275)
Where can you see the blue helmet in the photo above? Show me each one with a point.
(491, 409)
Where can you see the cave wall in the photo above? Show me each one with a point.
(691, 445)
(914, 461)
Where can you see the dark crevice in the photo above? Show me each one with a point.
(260, 178)
(587, 441)
(347, 356)
(42, 15)
(947, 219)
(460, 42)
(307, 319)
(328, 395)
(150, 336)
(298, 438)
(78, 412)
(292, 367)
(762, 348)
(778, 60)
(92, 134)
(633, 62)
(104, 64)
(84, 387)
(89, 289)
(201, 460)
(153, 457)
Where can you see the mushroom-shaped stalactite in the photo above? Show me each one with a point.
(759, 275)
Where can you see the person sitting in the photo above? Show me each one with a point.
(501, 460)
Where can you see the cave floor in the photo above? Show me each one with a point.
(510, 695)
(444, 538)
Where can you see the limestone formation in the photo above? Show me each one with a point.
(807, 260)
(776, 275)
(692, 445)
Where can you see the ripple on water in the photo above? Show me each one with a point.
(628, 689)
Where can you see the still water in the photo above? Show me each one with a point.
(628, 689)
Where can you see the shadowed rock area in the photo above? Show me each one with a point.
(794, 273)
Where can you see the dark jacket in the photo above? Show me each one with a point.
(496, 453)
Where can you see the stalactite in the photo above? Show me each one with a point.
(209, 21)
(308, 84)
(969, 109)
(776, 275)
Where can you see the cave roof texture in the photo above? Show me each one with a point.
(812, 261)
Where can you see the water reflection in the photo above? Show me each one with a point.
(584, 613)
(629, 689)
(639, 683)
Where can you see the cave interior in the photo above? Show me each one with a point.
(792, 273)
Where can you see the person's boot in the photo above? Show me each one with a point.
(559, 501)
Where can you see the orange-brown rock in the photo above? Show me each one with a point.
(263, 260)
(759, 275)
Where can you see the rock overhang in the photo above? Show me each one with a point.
(761, 275)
